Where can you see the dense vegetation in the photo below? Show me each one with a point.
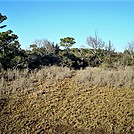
(47, 53)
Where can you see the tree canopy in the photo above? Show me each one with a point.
(2, 18)
(67, 42)
(9, 46)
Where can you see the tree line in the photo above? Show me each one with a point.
(46, 53)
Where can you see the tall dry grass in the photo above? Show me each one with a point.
(102, 77)
(20, 82)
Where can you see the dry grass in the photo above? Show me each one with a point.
(59, 100)
(20, 82)
(100, 77)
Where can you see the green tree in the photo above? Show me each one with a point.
(2, 18)
(9, 47)
(42, 53)
(67, 42)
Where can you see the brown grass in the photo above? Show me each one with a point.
(58, 100)
(21, 82)
(100, 77)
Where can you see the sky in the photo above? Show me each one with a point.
(54, 19)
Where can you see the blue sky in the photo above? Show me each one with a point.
(53, 19)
